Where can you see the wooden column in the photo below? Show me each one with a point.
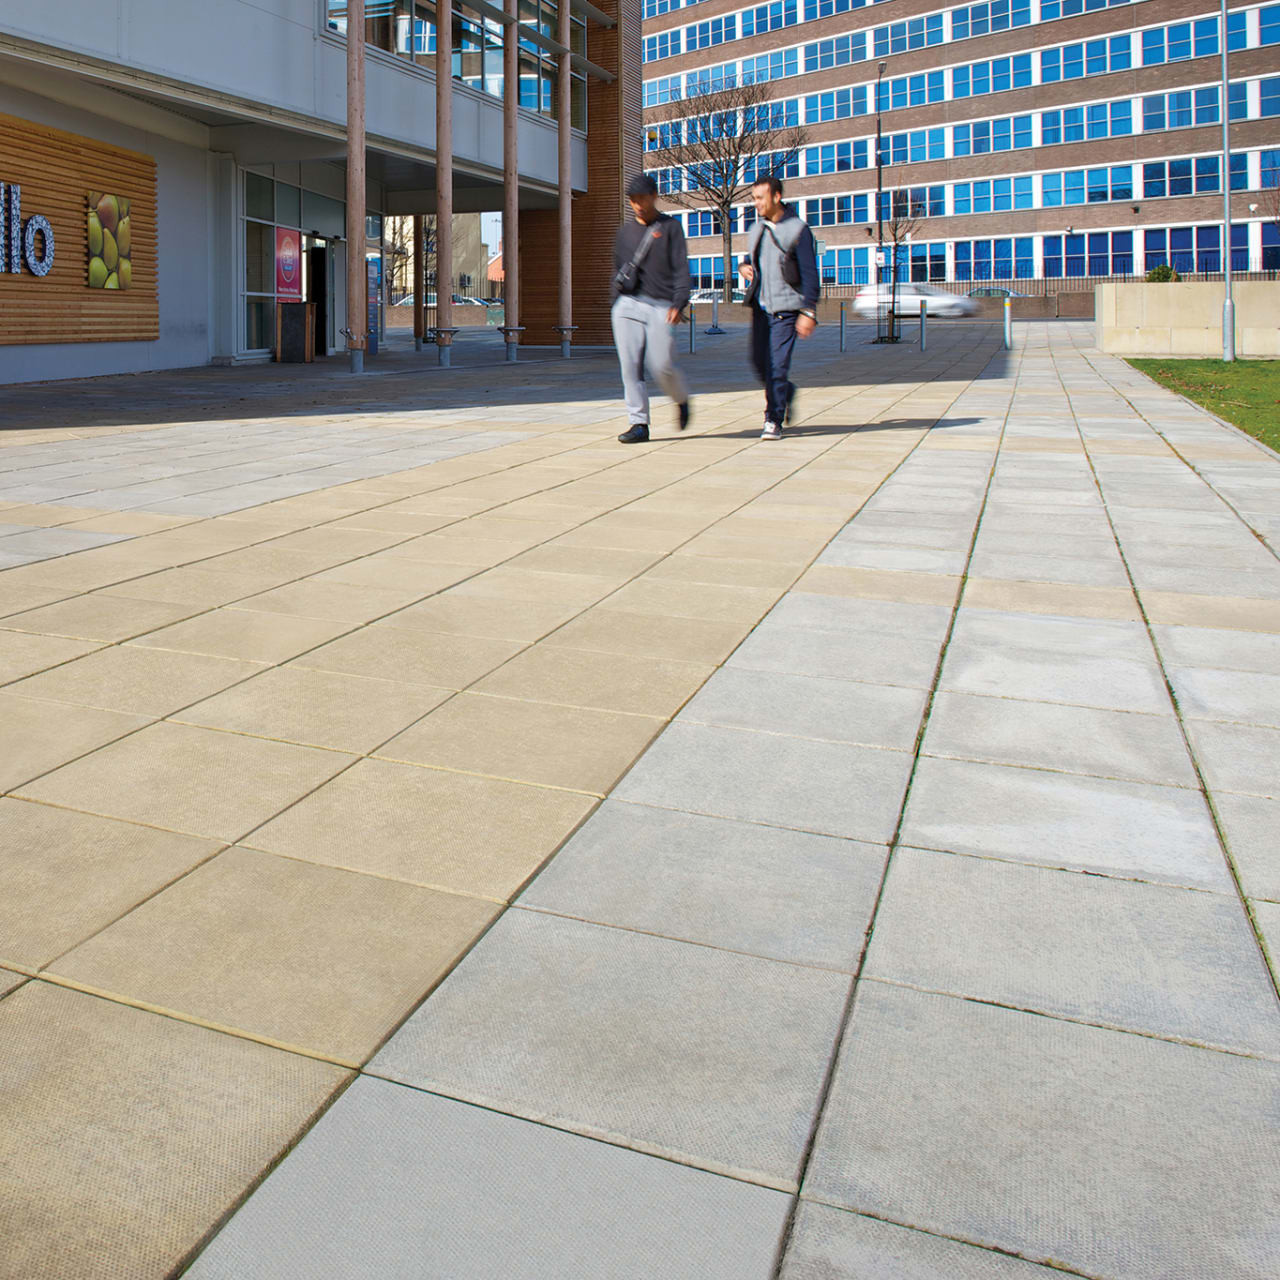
(444, 180)
(511, 179)
(564, 139)
(357, 272)
(419, 285)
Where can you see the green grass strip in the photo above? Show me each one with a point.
(1245, 393)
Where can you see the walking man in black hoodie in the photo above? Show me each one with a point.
(650, 290)
(781, 270)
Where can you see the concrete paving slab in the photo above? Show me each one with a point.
(370, 1185)
(805, 706)
(712, 1058)
(1237, 757)
(290, 951)
(486, 616)
(133, 1132)
(993, 1114)
(1152, 958)
(243, 634)
(1220, 649)
(1247, 697)
(684, 639)
(784, 895)
(1249, 824)
(196, 781)
(94, 617)
(1127, 829)
(828, 788)
(445, 830)
(1108, 744)
(833, 1244)
(23, 654)
(869, 657)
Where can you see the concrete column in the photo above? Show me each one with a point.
(565, 89)
(357, 277)
(511, 179)
(444, 180)
(419, 285)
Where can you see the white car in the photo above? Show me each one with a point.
(912, 299)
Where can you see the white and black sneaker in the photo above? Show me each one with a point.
(772, 431)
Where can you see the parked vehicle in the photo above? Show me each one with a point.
(994, 291)
(911, 300)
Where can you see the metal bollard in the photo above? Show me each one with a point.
(715, 316)
(842, 307)
(693, 328)
(1008, 324)
(924, 311)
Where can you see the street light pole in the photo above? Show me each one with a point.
(880, 178)
(1228, 303)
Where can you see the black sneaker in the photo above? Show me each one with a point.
(637, 434)
(682, 422)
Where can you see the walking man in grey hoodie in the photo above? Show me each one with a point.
(781, 271)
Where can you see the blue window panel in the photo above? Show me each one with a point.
(1122, 182)
(937, 144)
(1237, 32)
(1270, 246)
(1001, 75)
(1268, 24)
(1179, 110)
(1239, 247)
(1153, 47)
(1022, 132)
(982, 259)
(1024, 262)
(962, 198)
(1154, 180)
(964, 260)
(962, 140)
(1208, 248)
(1053, 257)
(1156, 249)
(937, 202)
(1052, 191)
(1051, 126)
(1073, 255)
(981, 137)
(1095, 58)
(1099, 244)
(1001, 195)
(1181, 178)
(1121, 52)
(1023, 197)
(861, 206)
(1001, 135)
(1121, 119)
(1206, 104)
(1099, 120)
(1022, 71)
(1182, 248)
(1073, 124)
(982, 197)
(1178, 41)
(860, 153)
(1122, 253)
(1153, 114)
(1270, 94)
(1098, 185)
(960, 82)
(1073, 189)
(1208, 174)
(1002, 260)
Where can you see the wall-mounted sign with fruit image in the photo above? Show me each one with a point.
(110, 242)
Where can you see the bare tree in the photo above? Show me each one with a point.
(398, 241)
(904, 212)
(721, 142)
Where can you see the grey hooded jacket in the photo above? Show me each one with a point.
(769, 242)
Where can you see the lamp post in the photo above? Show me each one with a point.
(880, 178)
(1228, 304)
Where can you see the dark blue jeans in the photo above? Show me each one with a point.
(773, 339)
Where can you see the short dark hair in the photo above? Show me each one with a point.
(641, 184)
(770, 180)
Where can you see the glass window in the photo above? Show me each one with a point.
(1022, 195)
(1122, 253)
(288, 205)
(1122, 182)
(1051, 127)
(1121, 119)
(1208, 174)
(259, 197)
(259, 257)
(1099, 186)
(259, 324)
(1153, 180)
(1052, 190)
(1053, 257)
(1153, 113)
(1180, 178)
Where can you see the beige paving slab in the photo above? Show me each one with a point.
(49, 515)
(558, 746)
(328, 541)
(510, 584)
(693, 600)
(477, 552)
(133, 1132)
(295, 952)
(137, 522)
(417, 657)
(878, 584)
(317, 708)
(99, 617)
(404, 523)
(397, 574)
(150, 682)
(68, 874)
(1062, 599)
(272, 561)
(194, 586)
(684, 639)
(526, 532)
(451, 831)
(641, 685)
(23, 654)
(623, 537)
(20, 597)
(245, 634)
(10, 980)
(489, 617)
(37, 736)
(333, 601)
(724, 571)
(1232, 612)
(604, 562)
(181, 778)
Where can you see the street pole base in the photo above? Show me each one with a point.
(417, 344)
(564, 348)
(715, 329)
(357, 359)
(513, 349)
(444, 354)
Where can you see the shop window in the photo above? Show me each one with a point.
(259, 257)
(288, 205)
(260, 324)
(259, 197)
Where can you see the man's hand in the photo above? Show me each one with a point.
(673, 315)
(805, 325)
(746, 271)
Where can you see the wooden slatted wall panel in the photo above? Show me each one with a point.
(57, 171)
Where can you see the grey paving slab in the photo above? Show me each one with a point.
(785, 895)
(827, 787)
(1249, 826)
(806, 706)
(1109, 744)
(710, 1057)
(869, 555)
(1110, 1153)
(803, 610)
(1059, 635)
(1154, 958)
(1248, 697)
(834, 1244)
(395, 1182)
(1220, 649)
(872, 657)
(1237, 757)
(1125, 829)
(1090, 571)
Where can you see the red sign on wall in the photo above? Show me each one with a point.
(288, 264)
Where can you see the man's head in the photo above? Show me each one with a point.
(642, 195)
(766, 193)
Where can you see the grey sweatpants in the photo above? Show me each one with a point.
(643, 336)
